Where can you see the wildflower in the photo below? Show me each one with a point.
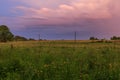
(41, 71)
(46, 65)
(53, 63)
(110, 65)
(64, 62)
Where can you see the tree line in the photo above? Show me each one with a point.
(7, 35)
(112, 38)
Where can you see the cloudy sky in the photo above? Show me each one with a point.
(59, 19)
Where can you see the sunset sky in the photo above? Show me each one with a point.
(59, 19)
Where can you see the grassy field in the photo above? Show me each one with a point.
(60, 60)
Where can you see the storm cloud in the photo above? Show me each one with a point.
(55, 17)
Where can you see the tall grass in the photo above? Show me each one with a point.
(59, 60)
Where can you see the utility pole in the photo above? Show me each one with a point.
(38, 36)
(75, 37)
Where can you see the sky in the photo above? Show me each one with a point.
(59, 19)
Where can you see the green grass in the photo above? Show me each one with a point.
(60, 60)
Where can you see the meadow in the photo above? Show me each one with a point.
(60, 60)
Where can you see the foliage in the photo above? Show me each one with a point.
(31, 39)
(20, 38)
(93, 38)
(59, 60)
(5, 34)
(115, 38)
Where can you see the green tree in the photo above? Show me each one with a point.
(115, 38)
(5, 34)
(31, 39)
(20, 38)
(93, 38)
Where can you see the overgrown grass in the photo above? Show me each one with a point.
(59, 60)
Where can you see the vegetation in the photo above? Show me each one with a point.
(115, 38)
(93, 38)
(5, 34)
(59, 60)
(31, 39)
(20, 38)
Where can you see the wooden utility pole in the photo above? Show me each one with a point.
(75, 37)
(39, 36)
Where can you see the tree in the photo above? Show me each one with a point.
(5, 34)
(115, 38)
(93, 38)
(20, 38)
(31, 39)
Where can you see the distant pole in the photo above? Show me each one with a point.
(75, 37)
(39, 36)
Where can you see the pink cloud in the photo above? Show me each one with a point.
(44, 3)
(68, 13)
